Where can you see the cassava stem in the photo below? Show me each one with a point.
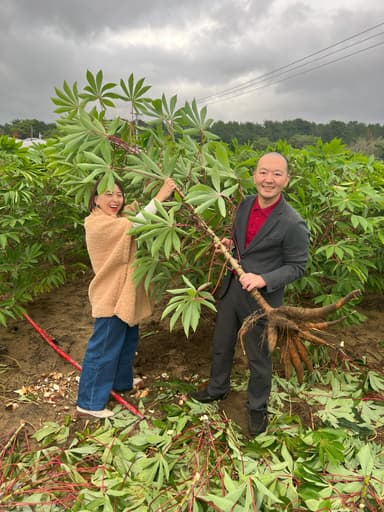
(65, 356)
(285, 324)
(228, 256)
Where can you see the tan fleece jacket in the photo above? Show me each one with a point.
(112, 251)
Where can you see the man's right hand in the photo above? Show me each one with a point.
(228, 244)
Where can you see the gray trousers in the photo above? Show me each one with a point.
(233, 308)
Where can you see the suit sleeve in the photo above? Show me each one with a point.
(295, 247)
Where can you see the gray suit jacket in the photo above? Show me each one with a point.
(278, 252)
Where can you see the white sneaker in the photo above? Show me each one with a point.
(104, 413)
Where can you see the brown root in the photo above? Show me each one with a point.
(323, 325)
(281, 322)
(272, 337)
(286, 361)
(313, 313)
(295, 360)
(303, 353)
(306, 335)
(248, 323)
(289, 327)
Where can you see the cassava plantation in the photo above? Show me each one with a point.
(324, 446)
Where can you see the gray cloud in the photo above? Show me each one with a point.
(195, 49)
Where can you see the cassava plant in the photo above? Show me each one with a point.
(345, 218)
(37, 225)
(155, 140)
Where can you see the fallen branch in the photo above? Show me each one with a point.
(65, 356)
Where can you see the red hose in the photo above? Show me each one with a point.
(65, 356)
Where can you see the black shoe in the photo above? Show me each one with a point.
(203, 396)
(257, 422)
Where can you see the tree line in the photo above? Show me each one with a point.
(284, 130)
(28, 128)
(359, 137)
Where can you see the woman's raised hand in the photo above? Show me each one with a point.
(166, 190)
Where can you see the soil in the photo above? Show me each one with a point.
(38, 386)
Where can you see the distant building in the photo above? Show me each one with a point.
(30, 141)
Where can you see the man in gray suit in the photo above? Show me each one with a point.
(270, 241)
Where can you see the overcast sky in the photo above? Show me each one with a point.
(257, 52)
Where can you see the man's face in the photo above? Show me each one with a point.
(270, 178)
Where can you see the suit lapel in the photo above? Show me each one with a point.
(241, 225)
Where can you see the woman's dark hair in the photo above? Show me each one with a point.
(92, 204)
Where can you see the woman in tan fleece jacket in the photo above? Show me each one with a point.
(117, 304)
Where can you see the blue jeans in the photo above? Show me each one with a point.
(108, 362)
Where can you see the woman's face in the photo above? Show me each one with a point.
(109, 202)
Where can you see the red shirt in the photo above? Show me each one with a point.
(257, 217)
